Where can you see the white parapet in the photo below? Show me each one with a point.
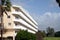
(20, 27)
(31, 31)
(25, 12)
(24, 17)
(24, 23)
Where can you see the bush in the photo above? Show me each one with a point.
(25, 35)
(39, 35)
(57, 34)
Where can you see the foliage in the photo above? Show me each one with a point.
(43, 33)
(40, 35)
(50, 32)
(57, 34)
(7, 5)
(25, 35)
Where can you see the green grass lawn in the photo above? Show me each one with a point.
(52, 38)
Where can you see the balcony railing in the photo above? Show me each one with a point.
(24, 23)
(22, 28)
(25, 18)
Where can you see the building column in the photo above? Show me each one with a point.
(13, 37)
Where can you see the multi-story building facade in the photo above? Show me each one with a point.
(18, 19)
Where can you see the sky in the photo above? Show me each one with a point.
(45, 12)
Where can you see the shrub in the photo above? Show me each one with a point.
(25, 35)
(57, 34)
(39, 35)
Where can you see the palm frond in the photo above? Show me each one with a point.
(8, 4)
(3, 2)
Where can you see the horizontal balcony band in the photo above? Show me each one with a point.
(24, 23)
(24, 28)
(25, 18)
(31, 31)
(25, 12)
(20, 24)
(20, 27)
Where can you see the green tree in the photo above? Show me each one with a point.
(43, 33)
(5, 5)
(25, 35)
(39, 35)
(50, 32)
(57, 34)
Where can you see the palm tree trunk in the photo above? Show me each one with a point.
(1, 23)
(8, 4)
(1, 34)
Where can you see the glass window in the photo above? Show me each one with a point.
(8, 16)
(9, 23)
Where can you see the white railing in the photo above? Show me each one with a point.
(20, 27)
(24, 28)
(31, 31)
(24, 23)
(26, 13)
(24, 17)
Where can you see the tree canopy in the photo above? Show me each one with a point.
(50, 32)
(7, 4)
(25, 35)
(57, 34)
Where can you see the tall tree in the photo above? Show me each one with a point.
(50, 32)
(5, 5)
(39, 35)
(44, 33)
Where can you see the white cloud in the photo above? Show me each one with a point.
(49, 19)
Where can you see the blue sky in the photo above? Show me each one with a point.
(45, 12)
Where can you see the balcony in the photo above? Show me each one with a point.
(17, 28)
(31, 31)
(24, 23)
(25, 18)
(20, 27)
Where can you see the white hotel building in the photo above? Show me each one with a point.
(18, 19)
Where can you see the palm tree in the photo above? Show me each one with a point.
(4, 7)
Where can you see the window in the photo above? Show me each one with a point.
(17, 17)
(16, 31)
(9, 23)
(17, 9)
(8, 16)
(16, 24)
